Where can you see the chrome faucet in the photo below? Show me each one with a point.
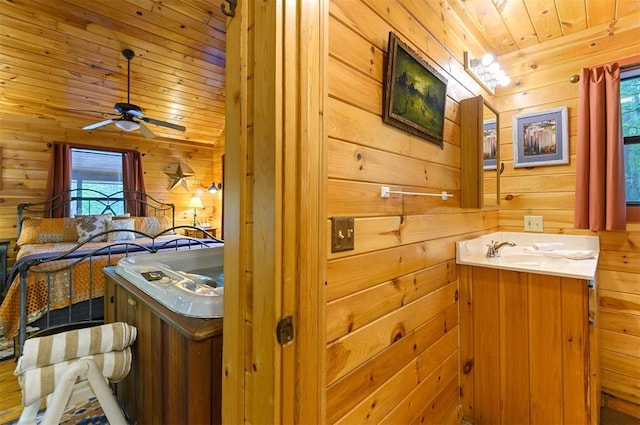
(494, 248)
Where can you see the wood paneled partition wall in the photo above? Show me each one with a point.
(540, 80)
(274, 253)
(391, 304)
(392, 309)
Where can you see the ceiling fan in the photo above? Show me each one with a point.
(131, 116)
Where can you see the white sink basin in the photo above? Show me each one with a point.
(533, 260)
(525, 257)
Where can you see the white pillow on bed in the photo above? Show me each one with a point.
(90, 225)
(121, 224)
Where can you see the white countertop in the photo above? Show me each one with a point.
(525, 258)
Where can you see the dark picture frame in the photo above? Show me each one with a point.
(489, 144)
(541, 138)
(415, 93)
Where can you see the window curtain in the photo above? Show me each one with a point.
(133, 180)
(59, 179)
(600, 202)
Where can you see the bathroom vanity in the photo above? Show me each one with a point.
(528, 346)
(177, 360)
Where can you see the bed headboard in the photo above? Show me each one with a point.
(67, 204)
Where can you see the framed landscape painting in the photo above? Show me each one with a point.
(541, 138)
(415, 94)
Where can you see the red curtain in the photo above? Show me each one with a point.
(600, 202)
(59, 179)
(133, 179)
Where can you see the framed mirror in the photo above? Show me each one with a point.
(490, 154)
(479, 153)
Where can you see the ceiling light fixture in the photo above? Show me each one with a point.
(127, 125)
(486, 71)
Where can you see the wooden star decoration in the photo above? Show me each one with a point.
(180, 176)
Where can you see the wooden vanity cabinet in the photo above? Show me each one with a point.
(528, 354)
(176, 371)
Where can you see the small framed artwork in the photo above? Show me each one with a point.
(490, 144)
(414, 93)
(541, 138)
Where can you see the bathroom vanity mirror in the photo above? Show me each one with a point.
(491, 152)
(479, 153)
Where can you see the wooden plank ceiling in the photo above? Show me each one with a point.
(63, 59)
(506, 26)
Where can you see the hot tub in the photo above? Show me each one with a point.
(188, 282)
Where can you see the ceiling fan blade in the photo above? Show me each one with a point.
(98, 124)
(164, 124)
(145, 131)
(135, 113)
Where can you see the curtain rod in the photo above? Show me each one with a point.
(628, 63)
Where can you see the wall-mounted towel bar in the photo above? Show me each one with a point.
(385, 192)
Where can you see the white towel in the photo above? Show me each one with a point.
(548, 246)
(571, 254)
(48, 350)
(39, 382)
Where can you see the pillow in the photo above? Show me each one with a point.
(88, 226)
(37, 230)
(165, 223)
(152, 225)
(121, 224)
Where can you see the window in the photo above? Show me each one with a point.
(97, 170)
(630, 108)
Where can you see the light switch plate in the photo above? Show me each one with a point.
(342, 234)
(533, 223)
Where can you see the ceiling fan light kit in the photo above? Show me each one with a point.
(131, 116)
(127, 125)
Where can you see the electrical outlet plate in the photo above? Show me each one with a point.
(533, 223)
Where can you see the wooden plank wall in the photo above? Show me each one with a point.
(392, 310)
(26, 144)
(540, 80)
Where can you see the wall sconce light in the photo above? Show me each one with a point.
(215, 187)
(196, 204)
(486, 71)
